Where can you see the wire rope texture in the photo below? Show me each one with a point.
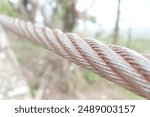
(123, 66)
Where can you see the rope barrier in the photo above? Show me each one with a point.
(117, 64)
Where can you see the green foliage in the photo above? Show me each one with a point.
(128, 94)
(89, 76)
(32, 88)
(6, 9)
(141, 45)
(25, 49)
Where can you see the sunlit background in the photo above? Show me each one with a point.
(28, 71)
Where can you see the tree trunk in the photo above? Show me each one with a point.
(116, 31)
(129, 37)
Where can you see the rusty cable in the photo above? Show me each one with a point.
(117, 64)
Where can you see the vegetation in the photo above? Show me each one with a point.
(25, 49)
(65, 17)
(6, 9)
(89, 76)
(141, 45)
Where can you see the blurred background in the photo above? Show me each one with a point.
(28, 71)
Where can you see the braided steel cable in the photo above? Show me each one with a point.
(123, 66)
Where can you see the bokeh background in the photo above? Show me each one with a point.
(28, 71)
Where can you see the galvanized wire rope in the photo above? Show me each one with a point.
(123, 66)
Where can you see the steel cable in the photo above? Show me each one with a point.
(121, 65)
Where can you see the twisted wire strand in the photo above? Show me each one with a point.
(117, 64)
